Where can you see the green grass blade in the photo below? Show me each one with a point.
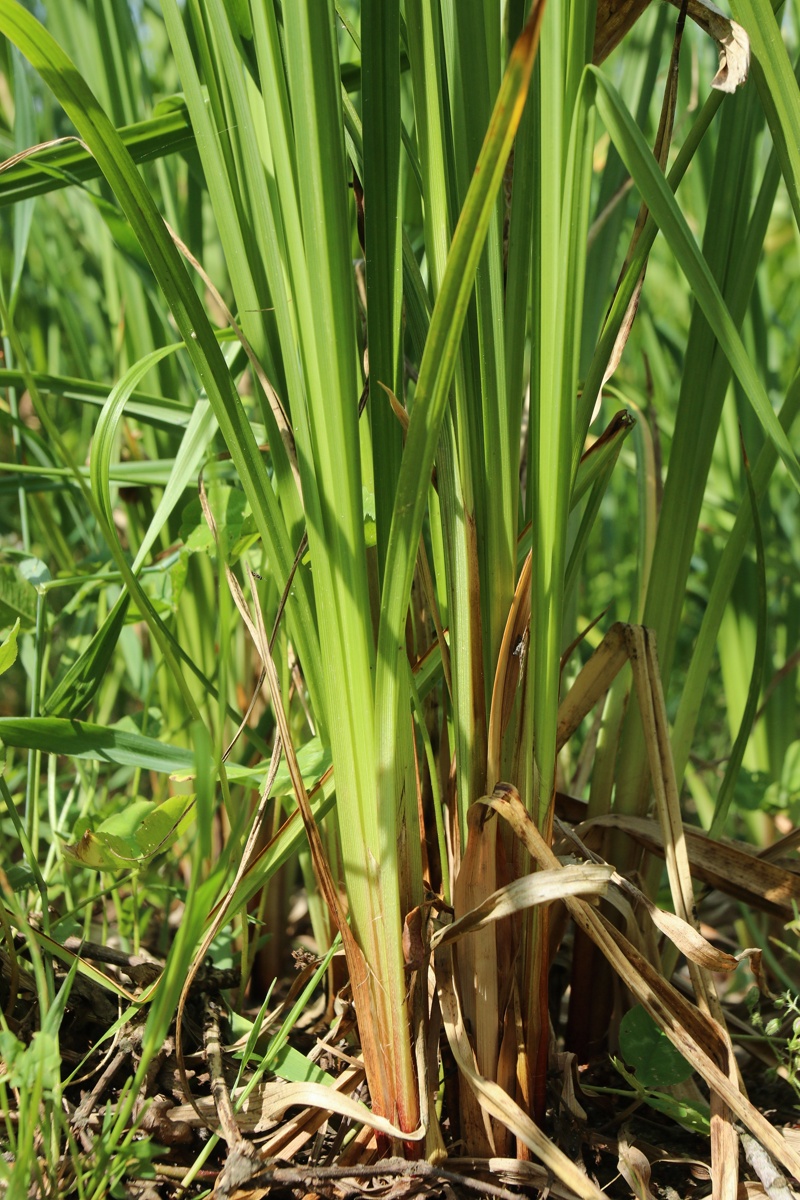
(702, 657)
(436, 373)
(81, 106)
(81, 739)
(60, 166)
(728, 785)
(325, 299)
(24, 126)
(162, 412)
(78, 687)
(106, 743)
(661, 202)
(552, 426)
(380, 81)
(777, 88)
(613, 322)
(452, 520)
(488, 443)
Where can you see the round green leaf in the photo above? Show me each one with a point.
(648, 1050)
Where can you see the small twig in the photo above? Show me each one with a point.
(89, 1102)
(772, 1180)
(212, 1041)
(142, 971)
(390, 1167)
(207, 1175)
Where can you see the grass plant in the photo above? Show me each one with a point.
(337, 578)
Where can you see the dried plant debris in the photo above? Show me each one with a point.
(735, 869)
(616, 17)
(285, 1139)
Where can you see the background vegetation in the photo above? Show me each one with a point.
(316, 500)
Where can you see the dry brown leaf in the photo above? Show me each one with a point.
(633, 1166)
(29, 151)
(289, 1138)
(277, 1097)
(693, 1034)
(689, 941)
(640, 649)
(594, 680)
(730, 867)
(493, 1100)
(542, 887)
(478, 969)
(567, 1065)
(616, 17)
(732, 42)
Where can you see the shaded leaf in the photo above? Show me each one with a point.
(132, 836)
(8, 650)
(17, 598)
(649, 1051)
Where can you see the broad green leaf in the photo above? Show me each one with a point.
(8, 650)
(162, 825)
(648, 1050)
(132, 836)
(31, 1066)
(313, 759)
(227, 506)
(17, 598)
(692, 1115)
(100, 852)
(105, 743)
(290, 1064)
(20, 878)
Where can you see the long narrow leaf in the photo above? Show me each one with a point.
(661, 202)
(103, 140)
(433, 385)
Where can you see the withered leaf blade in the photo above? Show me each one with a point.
(731, 868)
(616, 17)
(541, 887)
